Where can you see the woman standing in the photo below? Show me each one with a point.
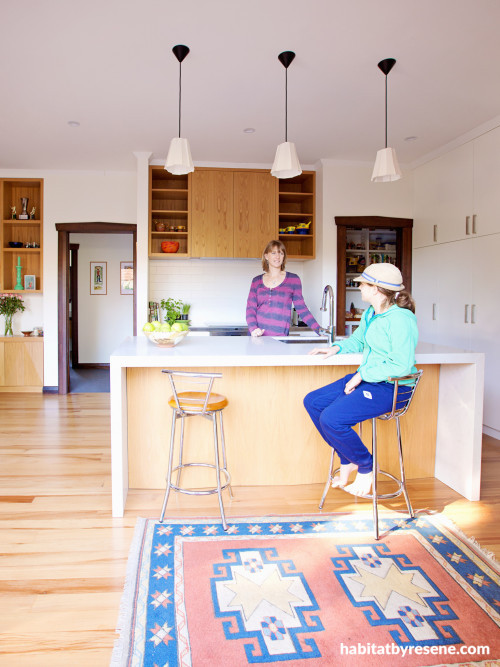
(387, 337)
(269, 302)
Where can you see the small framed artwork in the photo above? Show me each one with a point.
(98, 278)
(29, 283)
(126, 277)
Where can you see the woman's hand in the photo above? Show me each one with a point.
(257, 332)
(327, 352)
(353, 383)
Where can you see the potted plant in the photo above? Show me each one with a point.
(9, 305)
(175, 310)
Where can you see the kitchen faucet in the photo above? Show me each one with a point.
(331, 328)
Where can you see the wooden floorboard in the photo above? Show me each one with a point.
(63, 556)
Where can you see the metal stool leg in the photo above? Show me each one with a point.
(170, 459)
(374, 483)
(181, 452)
(328, 481)
(402, 470)
(217, 471)
(223, 447)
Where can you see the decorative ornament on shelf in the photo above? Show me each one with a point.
(19, 284)
(179, 160)
(386, 163)
(286, 162)
(9, 305)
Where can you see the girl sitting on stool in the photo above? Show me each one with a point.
(387, 336)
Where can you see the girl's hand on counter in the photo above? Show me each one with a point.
(327, 352)
(257, 332)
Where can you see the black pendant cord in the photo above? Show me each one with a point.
(386, 110)
(286, 104)
(180, 93)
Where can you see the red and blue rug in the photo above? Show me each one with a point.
(308, 590)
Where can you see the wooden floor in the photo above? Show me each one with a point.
(64, 556)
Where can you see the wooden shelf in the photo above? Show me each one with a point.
(23, 231)
(296, 204)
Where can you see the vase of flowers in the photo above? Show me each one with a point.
(9, 305)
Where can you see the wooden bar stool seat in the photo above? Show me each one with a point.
(195, 403)
(404, 391)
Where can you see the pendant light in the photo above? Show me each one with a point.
(286, 162)
(179, 160)
(386, 163)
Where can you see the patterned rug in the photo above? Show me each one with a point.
(308, 590)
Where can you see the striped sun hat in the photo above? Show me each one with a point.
(382, 275)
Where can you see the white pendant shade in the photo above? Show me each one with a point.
(179, 160)
(286, 163)
(386, 166)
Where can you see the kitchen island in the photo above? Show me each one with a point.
(269, 436)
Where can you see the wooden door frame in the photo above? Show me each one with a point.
(403, 227)
(73, 270)
(64, 229)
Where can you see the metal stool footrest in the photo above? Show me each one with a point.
(201, 492)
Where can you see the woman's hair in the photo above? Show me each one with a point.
(269, 247)
(403, 299)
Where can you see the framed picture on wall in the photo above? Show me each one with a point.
(126, 277)
(98, 278)
(29, 283)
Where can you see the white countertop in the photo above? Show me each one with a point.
(223, 351)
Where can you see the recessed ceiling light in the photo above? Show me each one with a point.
(73, 123)
(249, 130)
(411, 138)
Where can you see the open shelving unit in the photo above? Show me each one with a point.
(169, 203)
(296, 204)
(27, 232)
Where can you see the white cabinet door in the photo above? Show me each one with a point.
(455, 294)
(444, 198)
(485, 330)
(487, 183)
(425, 291)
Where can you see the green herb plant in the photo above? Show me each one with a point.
(173, 308)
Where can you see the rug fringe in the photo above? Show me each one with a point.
(488, 556)
(120, 647)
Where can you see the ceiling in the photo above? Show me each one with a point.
(108, 65)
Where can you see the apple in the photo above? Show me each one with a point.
(156, 325)
(165, 327)
(148, 327)
(177, 326)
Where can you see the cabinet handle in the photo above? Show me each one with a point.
(473, 314)
(435, 234)
(433, 311)
(474, 226)
(466, 314)
(467, 225)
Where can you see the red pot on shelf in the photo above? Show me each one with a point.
(170, 246)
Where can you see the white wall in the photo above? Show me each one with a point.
(103, 320)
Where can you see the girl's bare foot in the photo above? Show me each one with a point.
(362, 485)
(342, 478)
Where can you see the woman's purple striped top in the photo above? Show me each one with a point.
(271, 309)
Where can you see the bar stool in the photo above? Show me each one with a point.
(200, 402)
(404, 391)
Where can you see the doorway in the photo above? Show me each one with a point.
(64, 291)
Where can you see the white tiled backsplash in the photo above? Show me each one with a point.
(217, 289)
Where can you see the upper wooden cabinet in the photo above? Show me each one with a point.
(169, 212)
(212, 218)
(254, 212)
(27, 234)
(230, 212)
(296, 206)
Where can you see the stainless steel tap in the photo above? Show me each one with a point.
(328, 291)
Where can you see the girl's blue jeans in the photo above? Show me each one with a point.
(334, 413)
